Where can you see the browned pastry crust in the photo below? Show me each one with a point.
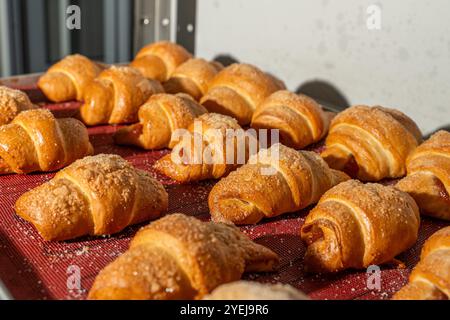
(160, 59)
(115, 96)
(97, 195)
(430, 279)
(68, 79)
(428, 179)
(180, 257)
(36, 141)
(208, 132)
(299, 119)
(238, 89)
(159, 117)
(192, 77)
(252, 192)
(371, 143)
(251, 290)
(356, 225)
(12, 102)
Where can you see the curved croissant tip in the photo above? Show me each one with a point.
(57, 87)
(236, 211)
(315, 261)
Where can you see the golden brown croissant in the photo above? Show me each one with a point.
(68, 79)
(159, 117)
(192, 77)
(251, 290)
(274, 181)
(97, 195)
(371, 143)
(299, 119)
(430, 279)
(356, 225)
(159, 60)
(36, 141)
(116, 95)
(238, 89)
(214, 146)
(428, 179)
(180, 257)
(12, 102)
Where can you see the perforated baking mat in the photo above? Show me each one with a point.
(31, 268)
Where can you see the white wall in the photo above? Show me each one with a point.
(405, 64)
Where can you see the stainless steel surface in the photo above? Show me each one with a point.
(35, 27)
(117, 40)
(144, 23)
(186, 26)
(10, 37)
(64, 33)
(153, 21)
(163, 19)
(4, 292)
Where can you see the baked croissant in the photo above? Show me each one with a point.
(428, 179)
(160, 59)
(356, 225)
(36, 141)
(97, 195)
(274, 181)
(68, 79)
(371, 143)
(251, 290)
(192, 77)
(180, 257)
(214, 145)
(115, 96)
(299, 119)
(430, 279)
(159, 117)
(12, 102)
(238, 89)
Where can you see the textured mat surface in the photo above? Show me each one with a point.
(34, 269)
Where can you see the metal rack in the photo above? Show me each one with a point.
(33, 33)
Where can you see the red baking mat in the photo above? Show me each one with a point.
(33, 269)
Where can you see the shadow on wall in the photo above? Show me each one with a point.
(225, 59)
(445, 128)
(324, 91)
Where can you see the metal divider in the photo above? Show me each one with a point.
(186, 24)
(156, 20)
(11, 58)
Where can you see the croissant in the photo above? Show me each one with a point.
(12, 102)
(36, 141)
(180, 257)
(68, 79)
(299, 119)
(430, 279)
(192, 77)
(238, 89)
(356, 225)
(428, 179)
(214, 145)
(160, 59)
(274, 181)
(250, 290)
(159, 117)
(371, 143)
(97, 195)
(115, 96)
